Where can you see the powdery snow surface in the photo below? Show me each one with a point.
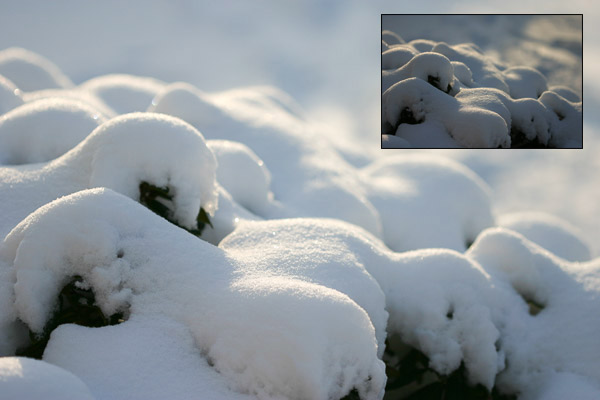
(311, 262)
(436, 95)
(26, 378)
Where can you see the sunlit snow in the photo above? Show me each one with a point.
(322, 248)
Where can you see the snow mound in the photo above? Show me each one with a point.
(124, 93)
(75, 94)
(42, 130)
(552, 233)
(274, 247)
(413, 101)
(525, 82)
(150, 358)
(137, 262)
(243, 175)
(187, 102)
(567, 124)
(427, 201)
(24, 378)
(538, 347)
(390, 38)
(396, 57)
(420, 287)
(432, 67)
(175, 157)
(443, 303)
(108, 152)
(474, 93)
(30, 71)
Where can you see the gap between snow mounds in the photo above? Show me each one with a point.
(134, 260)
(483, 91)
(110, 157)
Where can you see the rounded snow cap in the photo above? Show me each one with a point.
(124, 93)
(30, 71)
(187, 102)
(44, 129)
(26, 378)
(161, 150)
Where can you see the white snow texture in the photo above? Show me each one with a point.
(315, 255)
(464, 99)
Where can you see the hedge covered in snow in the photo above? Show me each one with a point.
(164, 242)
(436, 95)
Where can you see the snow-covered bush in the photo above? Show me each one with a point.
(438, 95)
(305, 276)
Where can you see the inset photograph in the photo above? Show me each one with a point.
(515, 83)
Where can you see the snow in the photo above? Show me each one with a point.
(105, 238)
(550, 232)
(25, 378)
(421, 66)
(568, 293)
(426, 201)
(568, 123)
(472, 100)
(108, 157)
(123, 93)
(244, 176)
(164, 350)
(30, 71)
(313, 181)
(467, 124)
(45, 129)
(322, 247)
(10, 95)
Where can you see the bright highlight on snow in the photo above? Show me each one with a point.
(311, 277)
(436, 95)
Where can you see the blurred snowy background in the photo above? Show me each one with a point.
(326, 55)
